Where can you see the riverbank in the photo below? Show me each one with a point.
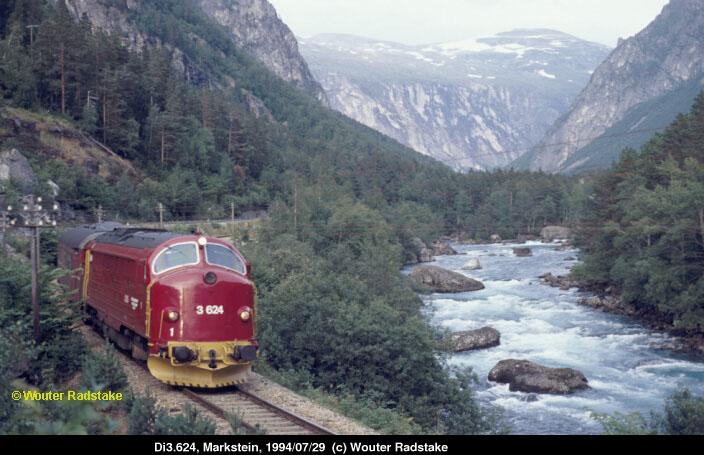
(610, 301)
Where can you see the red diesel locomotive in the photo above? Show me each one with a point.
(183, 303)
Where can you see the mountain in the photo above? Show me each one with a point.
(253, 25)
(634, 129)
(473, 104)
(661, 60)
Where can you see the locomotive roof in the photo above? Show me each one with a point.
(136, 237)
(76, 237)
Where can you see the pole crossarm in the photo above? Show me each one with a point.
(32, 213)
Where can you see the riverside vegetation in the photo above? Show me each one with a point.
(345, 206)
(642, 231)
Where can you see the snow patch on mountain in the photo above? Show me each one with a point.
(477, 103)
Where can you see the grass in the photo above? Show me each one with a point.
(53, 136)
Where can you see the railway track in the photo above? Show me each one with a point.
(255, 413)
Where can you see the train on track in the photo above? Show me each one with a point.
(183, 303)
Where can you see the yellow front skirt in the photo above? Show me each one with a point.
(198, 372)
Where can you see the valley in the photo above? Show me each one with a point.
(473, 104)
(337, 165)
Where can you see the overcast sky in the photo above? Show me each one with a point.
(430, 21)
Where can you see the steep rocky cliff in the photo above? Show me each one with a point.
(662, 58)
(253, 25)
(257, 29)
(473, 104)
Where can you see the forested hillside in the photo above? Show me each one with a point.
(643, 231)
(201, 146)
(345, 202)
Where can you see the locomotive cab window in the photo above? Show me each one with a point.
(223, 257)
(176, 256)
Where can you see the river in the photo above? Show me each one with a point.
(625, 370)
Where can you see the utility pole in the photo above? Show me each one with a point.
(99, 213)
(295, 206)
(232, 218)
(34, 216)
(4, 229)
(161, 215)
(31, 33)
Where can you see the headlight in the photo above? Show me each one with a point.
(173, 315)
(210, 278)
(245, 315)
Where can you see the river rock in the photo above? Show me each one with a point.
(564, 246)
(472, 264)
(15, 167)
(441, 248)
(560, 281)
(495, 238)
(486, 337)
(550, 233)
(523, 252)
(609, 303)
(523, 238)
(526, 376)
(442, 280)
(423, 253)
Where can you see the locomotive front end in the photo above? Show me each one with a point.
(200, 313)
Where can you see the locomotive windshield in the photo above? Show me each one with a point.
(176, 256)
(224, 257)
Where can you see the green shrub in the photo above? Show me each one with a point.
(237, 426)
(61, 350)
(190, 422)
(143, 414)
(623, 424)
(15, 355)
(102, 371)
(59, 358)
(683, 415)
(73, 417)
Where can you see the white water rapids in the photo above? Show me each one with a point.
(618, 356)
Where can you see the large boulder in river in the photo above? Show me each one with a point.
(15, 168)
(472, 264)
(441, 248)
(550, 233)
(523, 252)
(441, 280)
(526, 376)
(486, 337)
